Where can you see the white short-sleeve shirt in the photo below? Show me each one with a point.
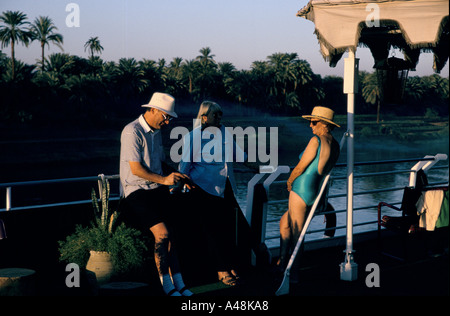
(139, 143)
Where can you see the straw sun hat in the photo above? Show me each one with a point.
(321, 113)
(162, 101)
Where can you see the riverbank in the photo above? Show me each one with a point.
(402, 129)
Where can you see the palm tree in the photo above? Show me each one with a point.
(415, 88)
(152, 74)
(262, 74)
(174, 69)
(130, 76)
(290, 71)
(292, 100)
(14, 31)
(23, 72)
(93, 45)
(42, 30)
(240, 86)
(206, 72)
(278, 62)
(289, 75)
(226, 69)
(84, 91)
(371, 92)
(190, 71)
(60, 64)
(205, 58)
(437, 85)
(302, 72)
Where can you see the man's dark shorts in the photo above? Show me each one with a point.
(146, 208)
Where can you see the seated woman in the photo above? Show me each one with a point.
(205, 159)
(316, 161)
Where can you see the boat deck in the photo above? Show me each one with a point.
(425, 272)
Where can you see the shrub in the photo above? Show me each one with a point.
(125, 245)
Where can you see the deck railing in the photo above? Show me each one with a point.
(11, 185)
(271, 179)
(425, 164)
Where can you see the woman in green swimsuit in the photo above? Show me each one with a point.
(316, 161)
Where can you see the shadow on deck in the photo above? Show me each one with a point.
(424, 273)
(33, 236)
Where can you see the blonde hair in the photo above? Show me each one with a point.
(205, 108)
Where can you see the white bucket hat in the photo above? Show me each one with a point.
(162, 101)
(321, 113)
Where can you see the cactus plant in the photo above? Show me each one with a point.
(102, 215)
(125, 244)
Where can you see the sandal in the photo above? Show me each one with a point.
(228, 280)
(235, 275)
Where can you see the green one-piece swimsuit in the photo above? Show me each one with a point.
(307, 185)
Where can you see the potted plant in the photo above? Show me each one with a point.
(105, 247)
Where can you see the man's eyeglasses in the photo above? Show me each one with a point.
(167, 117)
(314, 123)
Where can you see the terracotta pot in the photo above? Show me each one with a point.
(101, 264)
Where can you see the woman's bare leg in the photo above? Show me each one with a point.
(297, 212)
(285, 240)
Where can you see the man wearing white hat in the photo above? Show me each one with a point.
(145, 187)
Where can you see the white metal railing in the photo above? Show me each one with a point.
(271, 179)
(425, 164)
(11, 185)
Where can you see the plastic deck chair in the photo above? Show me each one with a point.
(407, 224)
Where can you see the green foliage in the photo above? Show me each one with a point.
(84, 89)
(125, 245)
(377, 130)
(431, 113)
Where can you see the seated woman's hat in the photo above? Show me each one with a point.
(162, 101)
(322, 113)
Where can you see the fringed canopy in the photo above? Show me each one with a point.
(409, 25)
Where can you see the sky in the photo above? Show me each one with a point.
(236, 31)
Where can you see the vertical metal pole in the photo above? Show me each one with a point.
(350, 160)
(348, 268)
(8, 198)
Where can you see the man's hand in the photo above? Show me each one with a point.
(139, 170)
(174, 178)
